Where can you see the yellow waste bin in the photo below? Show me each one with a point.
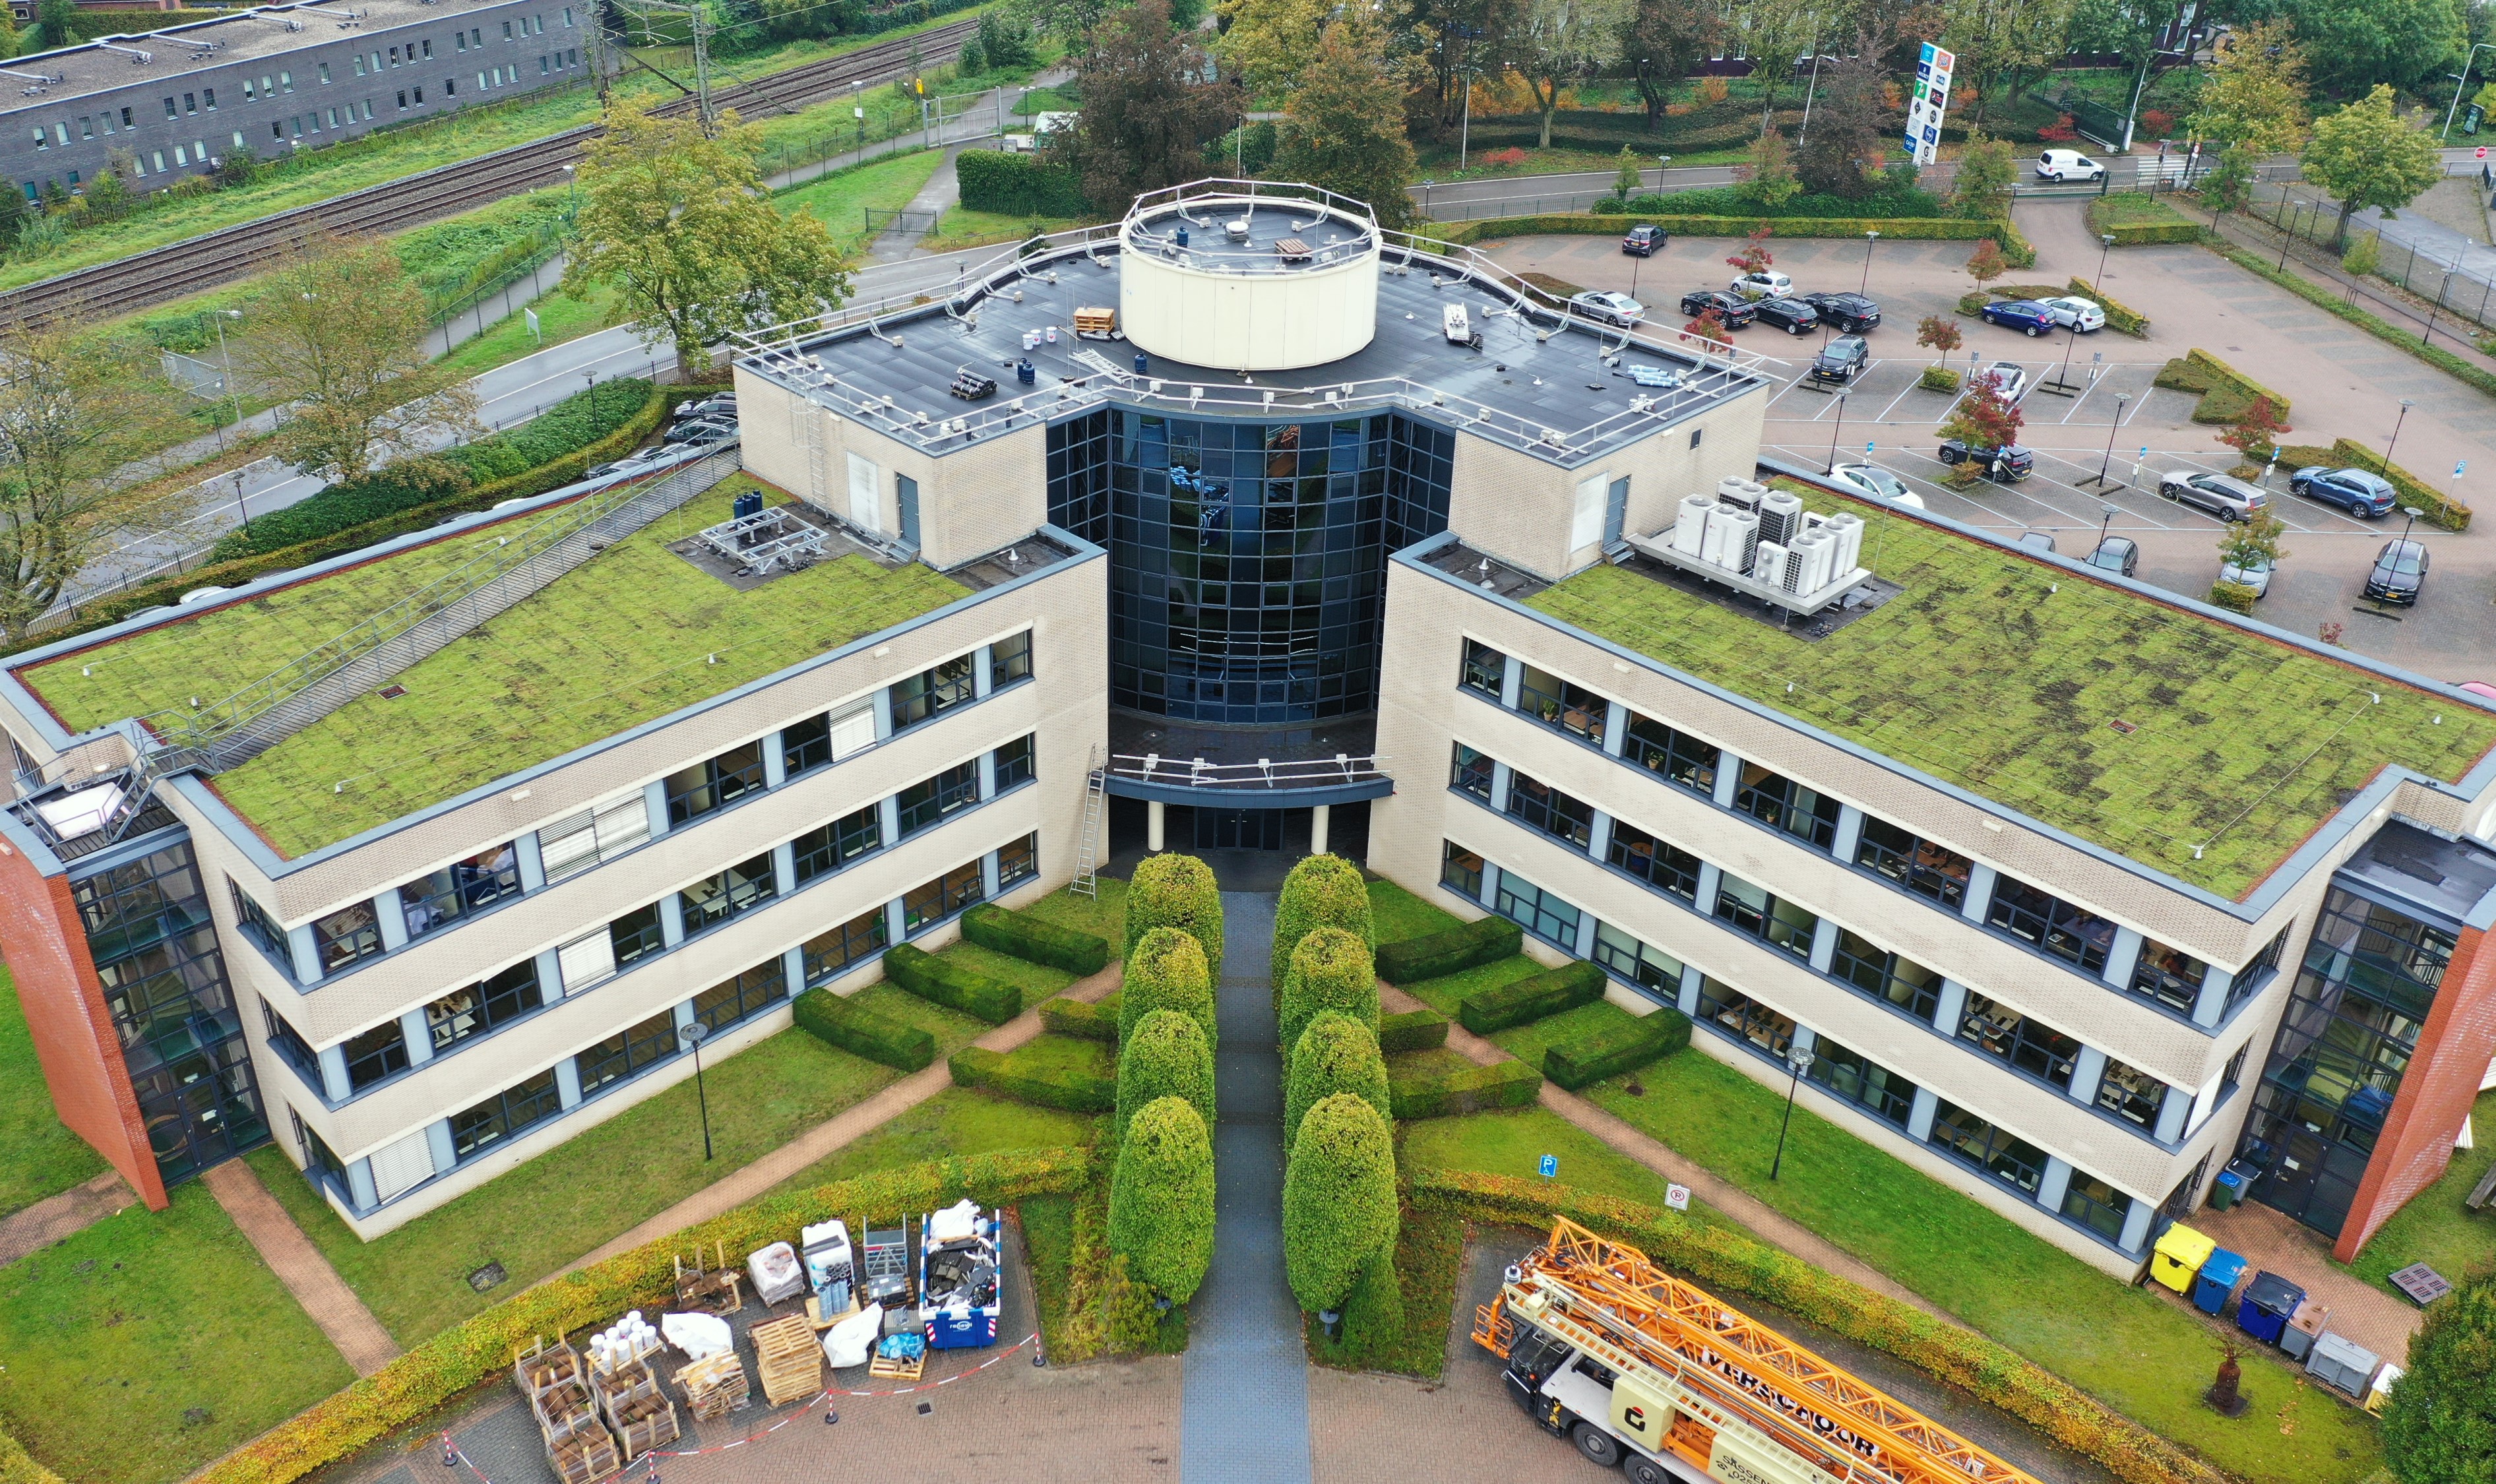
(2179, 1256)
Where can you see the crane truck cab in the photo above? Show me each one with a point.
(1621, 1422)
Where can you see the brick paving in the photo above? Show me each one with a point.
(2378, 1318)
(300, 1267)
(54, 1216)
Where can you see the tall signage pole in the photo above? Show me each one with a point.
(1931, 99)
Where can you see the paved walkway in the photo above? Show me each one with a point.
(902, 235)
(54, 1216)
(300, 1267)
(2378, 1318)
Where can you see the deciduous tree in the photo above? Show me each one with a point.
(1983, 419)
(2254, 95)
(56, 24)
(1987, 173)
(1265, 43)
(1986, 263)
(1939, 333)
(1148, 108)
(1753, 255)
(1841, 153)
(2004, 45)
(2255, 434)
(2440, 1425)
(1774, 33)
(2242, 544)
(1664, 41)
(1558, 41)
(2395, 42)
(1344, 126)
(2367, 155)
(1768, 175)
(1069, 21)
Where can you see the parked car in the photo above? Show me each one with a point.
(701, 430)
(2087, 316)
(2009, 377)
(2362, 494)
(1641, 240)
(1878, 482)
(1841, 360)
(2253, 572)
(1766, 284)
(2479, 687)
(1735, 311)
(2010, 464)
(2398, 572)
(1792, 316)
(2037, 541)
(1605, 307)
(2223, 495)
(2116, 553)
(2067, 165)
(1852, 313)
(724, 404)
(2026, 316)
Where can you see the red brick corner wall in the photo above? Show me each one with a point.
(2436, 1093)
(46, 949)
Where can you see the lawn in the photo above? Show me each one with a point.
(2132, 209)
(839, 200)
(2086, 707)
(152, 1342)
(957, 1121)
(1445, 993)
(44, 1158)
(1397, 913)
(1512, 1141)
(560, 318)
(961, 227)
(2435, 1227)
(2137, 1353)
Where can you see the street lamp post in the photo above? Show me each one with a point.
(1798, 1062)
(2413, 512)
(1835, 430)
(2459, 83)
(2105, 246)
(572, 173)
(1662, 164)
(2105, 524)
(694, 1036)
(239, 506)
(2444, 288)
(2406, 405)
(1865, 287)
(2107, 463)
(232, 392)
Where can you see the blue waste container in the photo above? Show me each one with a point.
(2217, 1281)
(2268, 1303)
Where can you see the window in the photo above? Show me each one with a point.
(452, 892)
(543, 65)
(320, 1160)
(810, 743)
(1569, 820)
(126, 121)
(427, 44)
(1861, 1081)
(1660, 863)
(42, 140)
(2131, 1094)
(747, 994)
(459, 40)
(1015, 762)
(1557, 702)
(277, 129)
(477, 36)
(628, 1053)
(1669, 754)
(378, 1053)
(402, 97)
(179, 156)
(260, 928)
(394, 56)
(1754, 910)
(450, 87)
(505, 1115)
(368, 110)
(158, 157)
(488, 1006)
(481, 82)
(715, 899)
(1018, 860)
(346, 936)
(1744, 1018)
(1471, 772)
(599, 833)
(830, 953)
(1461, 871)
(1697, 434)
(359, 65)
(823, 851)
(285, 82)
(929, 800)
(2013, 1161)
(209, 99)
(1536, 911)
(506, 30)
(2168, 975)
(597, 957)
(714, 784)
(2249, 980)
(1010, 660)
(325, 74)
(2003, 1033)
(419, 91)
(190, 102)
(169, 110)
(931, 692)
(567, 14)
(941, 898)
(290, 1045)
(1486, 669)
(2049, 924)
(1885, 975)
(1656, 972)
(1782, 804)
(1923, 867)
(2097, 1205)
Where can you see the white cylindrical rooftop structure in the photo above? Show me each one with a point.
(1240, 276)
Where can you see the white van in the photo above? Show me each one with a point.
(2067, 165)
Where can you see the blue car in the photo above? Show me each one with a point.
(2357, 491)
(2026, 316)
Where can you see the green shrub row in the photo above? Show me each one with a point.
(1484, 941)
(1616, 1048)
(1175, 891)
(2122, 318)
(1335, 1054)
(2225, 392)
(1320, 892)
(1015, 183)
(2372, 324)
(469, 1353)
(952, 985)
(1048, 1085)
(2437, 510)
(2234, 596)
(1411, 1031)
(1730, 1264)
(1530, 998)
(1035, 940)
(863, 1032)
(1507, 1084)
(1902, 203)
(1095, 1020)
(89, 25)
(1165, 1054)
(552, 439)
(1161, 1196)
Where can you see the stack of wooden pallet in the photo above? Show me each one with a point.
(714, 1386)
(790, 1361)
(578, 1443)
(631, 1401)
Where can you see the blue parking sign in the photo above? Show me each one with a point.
(1551, 1166)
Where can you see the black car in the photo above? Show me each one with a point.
(1852, 313)
(1644, 239)
(2008, 465)
(2399, 571)
(1842, 360)
(1792, 316)
(2116, 553)
(1731, 308)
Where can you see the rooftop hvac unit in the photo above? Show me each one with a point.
(1812, 550)
(1780, 516)
(1742, 541)
(1769, 567)
(1734, 489)
(1847, 528)
(1688, 531)
(1720, 531)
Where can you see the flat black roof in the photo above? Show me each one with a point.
(2448, 878)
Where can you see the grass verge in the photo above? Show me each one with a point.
(839, 199)
(2435, 1227)
(961, 227)
(560, 318)
(957, 1121)
(44, 1158)
(1398, 914)
(1512, 1141)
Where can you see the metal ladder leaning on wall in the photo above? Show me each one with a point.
(1087, 858)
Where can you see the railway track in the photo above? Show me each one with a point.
(180, 268)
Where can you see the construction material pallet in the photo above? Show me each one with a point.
(585, 1456)
(888, 1368)
(617, 1389)
(711, 1291)
(645, 1423)
(789, 1360)
(714, 1386)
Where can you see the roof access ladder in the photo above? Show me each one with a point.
(1096, 807)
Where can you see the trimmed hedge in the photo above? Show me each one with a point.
(1530, 998)
(1051, 1087)
(1484, 941)
(1907, 204)
(1936, 229)
(1166, 1056)
(1022, 936)
(1507, 1083)
(1339, 1204)
(2234, 596)
(1166, 970)
(2439, 510)
(955, 986)
(1095, 1020)
(1321, 891)
(1729, 1263)
(2372, 324)
(1373, 1315)
(2141, 233)
(1616, 1048)
(1161, 1198)
(447, 1365)
(1176, 891)
(2225, 392)
(1411, 1031)
(1330, 970)
(855, 1028)
(2122, 318)
(1335, 1054)
(1017, 183)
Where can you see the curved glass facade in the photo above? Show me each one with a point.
(1248, 560)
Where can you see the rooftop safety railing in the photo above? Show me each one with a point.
(1263, 774)
(1216, 216)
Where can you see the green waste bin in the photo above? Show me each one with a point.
(2229, 1187)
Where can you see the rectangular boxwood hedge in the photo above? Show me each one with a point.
(2015, 247)
(1616, 1048)
(1508, 1084)
(1411, 1031)
(955, 986)
(2439, 510)
(2119, 319)
(1092, 1021)
(1073, 1088)
(853, 1028)
(1530, 998)
(1411, 959)
(1014, 183)
(2225, 392)
(1022, 936)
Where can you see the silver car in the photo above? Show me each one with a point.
(2253, 572)
(1606, 307)
(2222, 495)
(1878, 482)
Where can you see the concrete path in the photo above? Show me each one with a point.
(902, 236)
(300, 1267)
(1244, 1405)
(54, 1216)
(735, 1188)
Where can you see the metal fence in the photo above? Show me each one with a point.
(879, 218)
(2306, 227)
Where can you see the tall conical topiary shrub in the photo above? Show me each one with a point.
(1166, 1056)
(1176, 891)
(1335, 1054)
(1330, 970)
(1338, 1199)
(1167, 970)
(1161, 1198)
(1321, 891)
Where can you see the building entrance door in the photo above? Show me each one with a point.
(1238, 829)
(2313, 1179)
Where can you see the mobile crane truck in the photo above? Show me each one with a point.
(1652, 1375)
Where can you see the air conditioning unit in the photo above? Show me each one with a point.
(1742, 541)
(1847, 528)
(1780, 516)
(1813, 550)
(1734, 489)
(1769, 567)
(1690, 528)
